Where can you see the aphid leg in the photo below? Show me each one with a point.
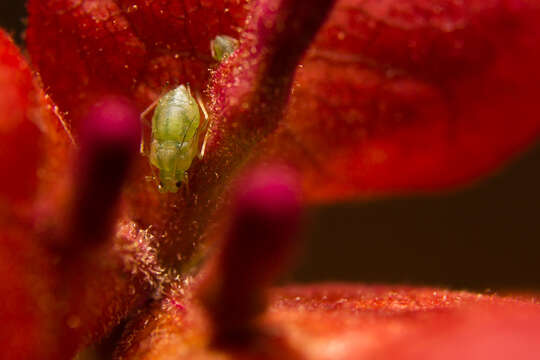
(204, 126)
(145, 122)
(186, 185)
(63, 123)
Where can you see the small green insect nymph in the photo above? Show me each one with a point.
(175, 136)
(222, 46)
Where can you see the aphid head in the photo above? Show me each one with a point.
(169, 182)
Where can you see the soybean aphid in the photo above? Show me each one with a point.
(223, 46)
(175, 136)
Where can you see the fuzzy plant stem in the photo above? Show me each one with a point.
(257, 246)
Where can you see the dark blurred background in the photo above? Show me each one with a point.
(484, 237)
(12, 17)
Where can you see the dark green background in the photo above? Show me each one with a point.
(483, 237)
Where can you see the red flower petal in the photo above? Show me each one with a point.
(19, 133)
(413, 95)
(28, 133)
(28, 311)
(494, 333)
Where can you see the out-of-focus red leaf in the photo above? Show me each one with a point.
(416, 95)
(52, 305)
(28, 132)
(19, 134)
(336, 321)
(85, 49)
(35, 144)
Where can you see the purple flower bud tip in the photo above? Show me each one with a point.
(269, 194)
(112, 122)
(109, 140)
(266, 212)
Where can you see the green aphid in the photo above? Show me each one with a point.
(223, 46)
(175, 136)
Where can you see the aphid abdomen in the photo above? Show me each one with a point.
(176, 116)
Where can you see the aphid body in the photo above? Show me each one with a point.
(222, 46)
(175, 136)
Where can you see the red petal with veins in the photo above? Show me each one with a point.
(400, 96)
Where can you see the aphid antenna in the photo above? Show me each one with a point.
(64, 125)
(149, 109)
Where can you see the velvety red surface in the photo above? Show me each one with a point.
(341, 321)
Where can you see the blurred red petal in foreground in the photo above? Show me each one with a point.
(53, 304)
(28, 132)
(337, 321)
(20, 153)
